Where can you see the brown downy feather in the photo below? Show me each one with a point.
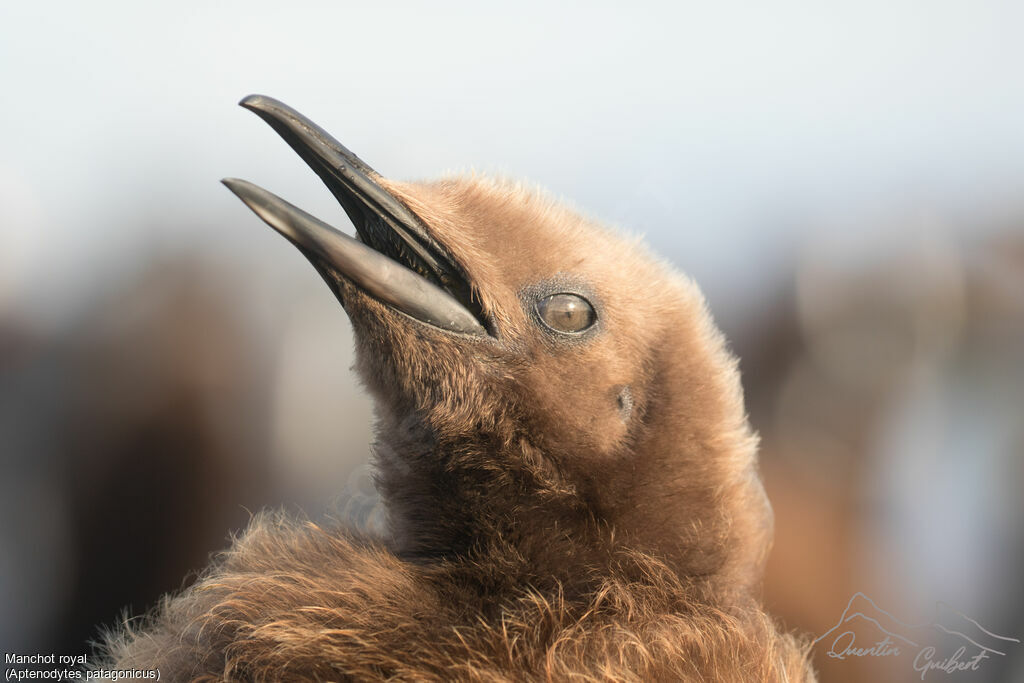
(581, 510)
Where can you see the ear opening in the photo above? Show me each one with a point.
(624, 400)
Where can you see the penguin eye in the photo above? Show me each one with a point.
(566, 313)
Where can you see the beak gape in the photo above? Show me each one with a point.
(395, 260)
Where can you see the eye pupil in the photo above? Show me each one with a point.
(566, 312)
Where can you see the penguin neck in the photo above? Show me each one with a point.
(487, 499)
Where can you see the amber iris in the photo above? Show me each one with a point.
(566, 312)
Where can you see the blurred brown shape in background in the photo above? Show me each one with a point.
(138, 437)
(132, 441)
(862, 382)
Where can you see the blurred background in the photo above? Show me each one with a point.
(845, 182)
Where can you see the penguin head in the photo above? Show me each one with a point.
(524, 357)
(579, 322)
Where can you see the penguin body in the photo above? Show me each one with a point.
(570, 479)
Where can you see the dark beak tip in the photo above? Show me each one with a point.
(253, 196)
(251, 101)
(233, 184)
(256, 103)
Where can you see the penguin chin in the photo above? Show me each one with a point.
(397, 358)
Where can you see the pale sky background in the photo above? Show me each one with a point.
(726, 132)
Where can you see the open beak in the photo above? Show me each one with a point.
(394, 260)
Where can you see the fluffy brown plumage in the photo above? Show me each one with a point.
(580, 507)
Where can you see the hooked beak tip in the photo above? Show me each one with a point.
(253, 102)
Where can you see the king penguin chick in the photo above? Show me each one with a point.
(562, 449)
